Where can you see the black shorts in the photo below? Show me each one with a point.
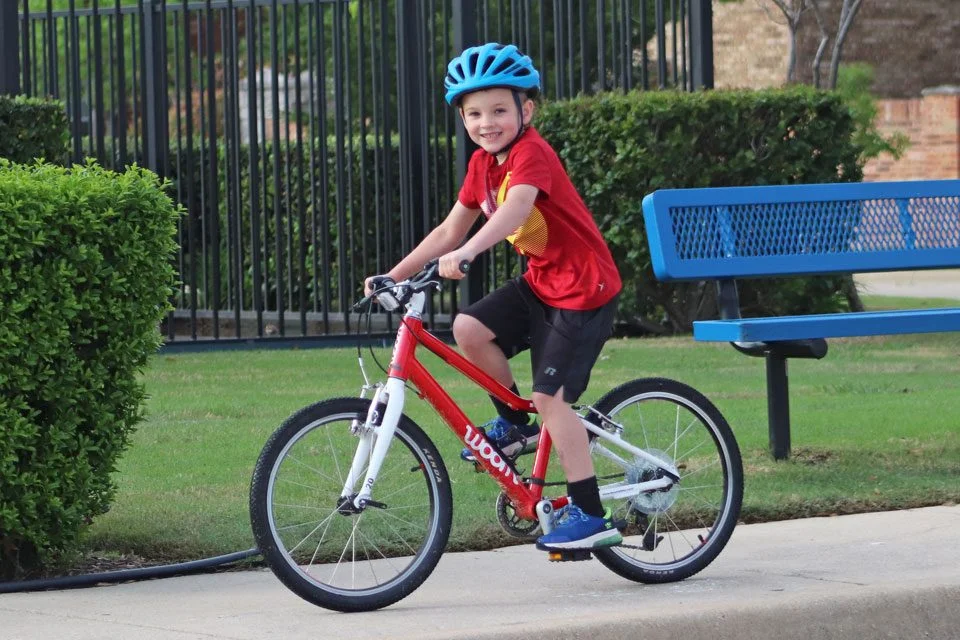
(564, 344)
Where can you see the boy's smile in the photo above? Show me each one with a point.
(492, 120)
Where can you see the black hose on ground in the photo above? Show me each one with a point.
(142, 573)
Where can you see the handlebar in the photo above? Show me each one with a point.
(392, 295)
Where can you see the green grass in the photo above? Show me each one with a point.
(876, 426)
(881, 303)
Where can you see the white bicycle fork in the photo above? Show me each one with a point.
(375, 440)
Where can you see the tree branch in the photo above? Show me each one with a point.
(847, 13)
(792, 12)
(824, 39)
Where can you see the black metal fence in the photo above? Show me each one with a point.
(308, 139)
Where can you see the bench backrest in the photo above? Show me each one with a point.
(733, 232)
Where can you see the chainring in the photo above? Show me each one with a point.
(512, 524)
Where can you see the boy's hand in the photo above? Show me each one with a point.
(450, 263)
(368, 285)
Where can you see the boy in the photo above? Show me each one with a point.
(562, 308)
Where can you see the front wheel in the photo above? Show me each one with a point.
(671, 533)
(332, 556)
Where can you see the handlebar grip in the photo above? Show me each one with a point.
(464, 266)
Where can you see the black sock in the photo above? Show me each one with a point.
(513, 416)
(586, 495)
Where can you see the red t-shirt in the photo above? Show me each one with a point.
(568, 263)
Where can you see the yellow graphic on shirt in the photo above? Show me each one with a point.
(530, 238)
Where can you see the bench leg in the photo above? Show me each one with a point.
(778, 406)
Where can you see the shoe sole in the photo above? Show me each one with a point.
(512, 449)
(599, 540)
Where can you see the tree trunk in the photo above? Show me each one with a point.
(847, 13)
(791, 10)
(824, 39)
(853, 296)
(792, 54)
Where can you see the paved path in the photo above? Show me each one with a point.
(940, 283)
(870, 576)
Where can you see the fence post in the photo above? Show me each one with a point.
(701, 44)
(155, 105)
(412, 67)
(465, 35)
(9, 48)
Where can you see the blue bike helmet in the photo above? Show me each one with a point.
(490, 66)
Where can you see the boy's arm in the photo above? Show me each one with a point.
(508, 217)
(444, 237)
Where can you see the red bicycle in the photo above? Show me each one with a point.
(351, 504)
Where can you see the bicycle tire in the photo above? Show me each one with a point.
(291, 483)
(696, 515)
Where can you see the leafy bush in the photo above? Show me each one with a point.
(33, 128)
(854, 82)
(85, 275)
(619, 147)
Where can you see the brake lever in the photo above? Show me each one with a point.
(357, 306)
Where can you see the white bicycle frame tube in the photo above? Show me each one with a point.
(623, 444)
(619, 490)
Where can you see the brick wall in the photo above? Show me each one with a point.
(749, 48)
(932, 122)
(911, 44)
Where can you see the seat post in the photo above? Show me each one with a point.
(778, 405)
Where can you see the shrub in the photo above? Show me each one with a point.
(33, 128)
(85, 275)
(854, 82)
(619, 147)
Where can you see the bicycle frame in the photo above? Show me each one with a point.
(524, 495)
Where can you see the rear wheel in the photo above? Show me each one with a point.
(672, 533)
(326, 553)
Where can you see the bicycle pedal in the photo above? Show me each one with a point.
(569, 555)
(478, 467)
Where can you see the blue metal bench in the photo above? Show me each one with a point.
(753, 232)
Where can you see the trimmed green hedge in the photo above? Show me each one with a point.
(85, 276)
(619, 147)
(32, 128)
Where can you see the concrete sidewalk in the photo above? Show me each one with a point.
(938, 283)
(881, 575)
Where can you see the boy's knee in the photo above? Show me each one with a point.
(544, 402)
(468, 330)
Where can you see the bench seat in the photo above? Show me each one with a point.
(831, 325)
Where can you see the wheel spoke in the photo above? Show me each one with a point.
(345, 559)
(683, 526)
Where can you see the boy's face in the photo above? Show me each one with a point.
(491, 119)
